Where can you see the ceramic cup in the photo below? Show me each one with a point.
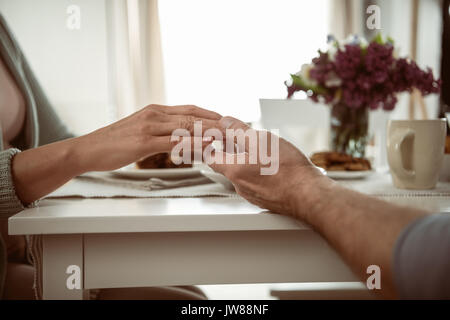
(415, 149)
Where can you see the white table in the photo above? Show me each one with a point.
(159, 242)
(186, 241)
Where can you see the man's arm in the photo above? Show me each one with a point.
(362, 229)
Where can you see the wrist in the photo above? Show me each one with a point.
(76, 152)
(311, 194)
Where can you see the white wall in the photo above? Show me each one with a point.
(71, 65)
(395, 21)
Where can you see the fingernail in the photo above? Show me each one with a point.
(207, 139)
(226, 122)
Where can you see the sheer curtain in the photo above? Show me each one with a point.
(219, 54)
(227, 54)
(136, 66)
(346, 17)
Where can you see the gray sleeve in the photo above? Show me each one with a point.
(51, 128)
(422, 259)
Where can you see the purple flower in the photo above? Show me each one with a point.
(366, 77)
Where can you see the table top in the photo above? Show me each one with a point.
(122, 215)
(70, 216)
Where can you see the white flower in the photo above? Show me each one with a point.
(332, 50)
(354, 39)
(304, 74)
(333, 80)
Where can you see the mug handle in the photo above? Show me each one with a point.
(397, 140)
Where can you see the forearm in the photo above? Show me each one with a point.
(362, 229)
(37, 172)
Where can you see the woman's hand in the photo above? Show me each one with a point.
(143, 133)
(37, 172)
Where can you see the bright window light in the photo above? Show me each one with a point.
(226, 54)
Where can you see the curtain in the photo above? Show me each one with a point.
(346, 17)
(135, 55)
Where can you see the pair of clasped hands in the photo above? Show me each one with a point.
(148, 132)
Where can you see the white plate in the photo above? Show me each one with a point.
(342, 175)
(172, 173)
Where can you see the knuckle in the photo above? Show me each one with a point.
(149, 112)
(187, 123)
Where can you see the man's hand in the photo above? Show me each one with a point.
(278, 192)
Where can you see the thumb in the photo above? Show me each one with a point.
(217, 160)
(235, 126)
(226, 163)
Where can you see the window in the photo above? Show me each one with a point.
(226, 54)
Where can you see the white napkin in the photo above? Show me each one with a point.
(150, 184)
(103, 185)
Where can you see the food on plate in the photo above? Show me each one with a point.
(159, 161)
(336, 161)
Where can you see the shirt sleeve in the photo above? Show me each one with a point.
(422, 259)
(51, 128)
(9, 202)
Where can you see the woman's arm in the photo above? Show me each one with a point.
(37, 172)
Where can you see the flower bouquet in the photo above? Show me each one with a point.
(357, 76)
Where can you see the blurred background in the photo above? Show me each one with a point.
(220, 54)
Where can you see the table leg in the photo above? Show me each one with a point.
(63, 267)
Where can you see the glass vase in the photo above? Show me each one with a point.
(349, 130)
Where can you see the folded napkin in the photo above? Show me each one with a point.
(150, 184)
(104, 185)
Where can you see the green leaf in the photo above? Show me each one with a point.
(301, 83)
(390, 40)
(378, 38)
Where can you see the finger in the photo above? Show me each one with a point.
(232, 126)
(166, 143)
(233, 123)
(190, 148)
(193, 125)
(189, 110)
(217, 161)
(225, 163)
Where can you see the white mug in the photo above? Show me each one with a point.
(415, 149)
